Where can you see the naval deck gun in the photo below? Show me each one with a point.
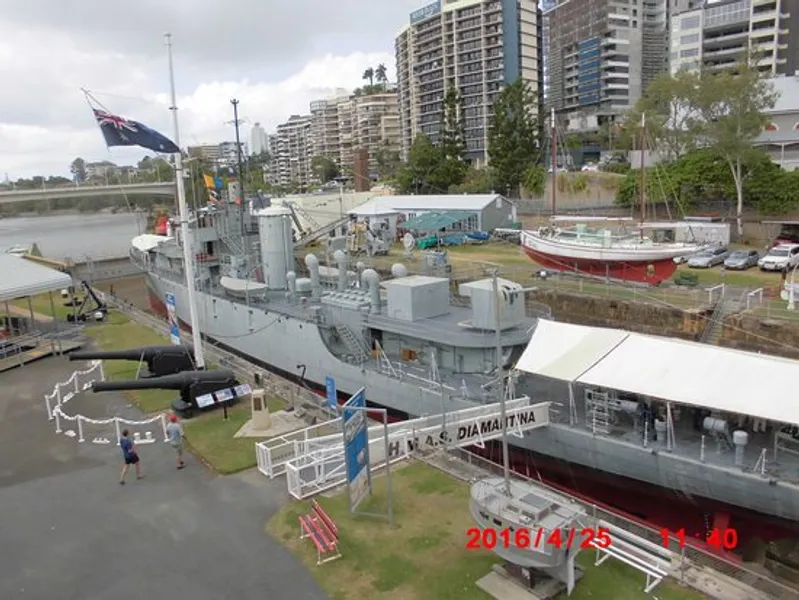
(160, 360)
(191, 385)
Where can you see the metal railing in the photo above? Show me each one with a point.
(690, 555)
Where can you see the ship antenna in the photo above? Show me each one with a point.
(188, 258)
(501, 387)
(554, 160)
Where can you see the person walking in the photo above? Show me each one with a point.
(130, 456)
(174, 433)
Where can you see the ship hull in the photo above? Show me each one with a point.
(650, 264)
(295, 349)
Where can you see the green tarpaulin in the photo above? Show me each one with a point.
(433, 221)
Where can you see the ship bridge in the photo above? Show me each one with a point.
(313, 458)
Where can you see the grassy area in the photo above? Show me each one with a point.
(423, 556)
(211, 436)
(119, 334)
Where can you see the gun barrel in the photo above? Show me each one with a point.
(178, 381)
(143, 353)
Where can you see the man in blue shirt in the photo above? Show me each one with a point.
(130, 456)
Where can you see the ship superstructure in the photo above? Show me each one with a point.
(421, 347)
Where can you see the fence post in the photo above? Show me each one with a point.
(57, 415)
(80, 428)
(75, 377)
(163, 427)
(49, 408)
(118, 429)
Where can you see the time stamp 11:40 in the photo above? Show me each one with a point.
(587, 537)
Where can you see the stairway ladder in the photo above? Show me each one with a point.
(598, 415)
(354, 343)
(234, 244)
(715, 327)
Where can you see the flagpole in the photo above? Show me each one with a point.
(188, 257)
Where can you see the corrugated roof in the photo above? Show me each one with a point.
(471, 202)
(433, 221)
(688, 373)
(20, 278)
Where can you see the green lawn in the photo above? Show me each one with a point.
(422, 556)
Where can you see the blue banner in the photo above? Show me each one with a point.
(174, 330)
(330, 387)
(356, 447)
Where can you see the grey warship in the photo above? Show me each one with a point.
(420, 347)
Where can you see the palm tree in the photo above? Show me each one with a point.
(370, 75)
(380, 75)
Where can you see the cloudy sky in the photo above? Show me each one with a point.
(275, 56)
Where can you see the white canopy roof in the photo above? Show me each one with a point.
(22, 277)
(687, 373)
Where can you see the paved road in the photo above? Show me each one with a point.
(70, 531)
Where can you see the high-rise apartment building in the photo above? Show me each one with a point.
(601, 56)
(258, 139)
(546, 6)
(294, 152)
(218, 155)
(717, 35)
(475, 46)
(342, 125)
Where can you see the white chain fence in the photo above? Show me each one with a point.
(98, 430)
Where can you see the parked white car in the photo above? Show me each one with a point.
(780, 258)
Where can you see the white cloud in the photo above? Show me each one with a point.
(47, 53)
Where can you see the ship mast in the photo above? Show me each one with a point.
(554, 160)
(643, 171)
(500, 382)
(188, 258)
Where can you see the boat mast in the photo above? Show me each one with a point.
(643, 171)
(188, 258)
(500, 384)
(554, 160)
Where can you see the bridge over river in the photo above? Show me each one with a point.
(166, 189)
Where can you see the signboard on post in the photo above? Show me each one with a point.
(426, 12)
(174, 330)
(330, 387)
(356, 448)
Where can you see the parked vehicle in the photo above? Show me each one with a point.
(708, 258)
(740, 260)
(780, 258)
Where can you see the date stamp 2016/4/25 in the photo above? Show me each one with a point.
(522, 538)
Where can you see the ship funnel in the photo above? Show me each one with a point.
(313, 269)
(341, 262)
(277, 246)
(398, 270)
(371, 279)
(291, 279)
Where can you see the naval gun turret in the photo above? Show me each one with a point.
(161, 360)
(191, 384)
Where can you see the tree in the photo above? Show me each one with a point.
(535, 180)
(380, 75)
(730, 109)
(324, 169)
(388, 161)
(78, 170)
(513, 142)
(670, 111)
(369, 74)
(420, 174)
(475, 181)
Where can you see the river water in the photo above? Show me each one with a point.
(74, 236)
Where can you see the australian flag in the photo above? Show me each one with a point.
(119, 131)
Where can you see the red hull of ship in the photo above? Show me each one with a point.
(652, 272)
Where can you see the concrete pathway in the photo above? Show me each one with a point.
(70, 531)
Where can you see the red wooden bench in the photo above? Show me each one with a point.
(323, 532)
